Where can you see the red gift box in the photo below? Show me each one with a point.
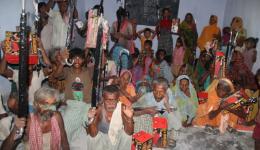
(160, 123)
(142, 141)
(160, 126)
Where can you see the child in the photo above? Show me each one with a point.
(164, 35)
(177, 57)
(147, 56)
(148, 34)
(78, 84)
(225, 36)
(160, 67)
(250, 52)
(137, 70)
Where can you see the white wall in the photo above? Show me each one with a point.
(249, 11)
(201, 10)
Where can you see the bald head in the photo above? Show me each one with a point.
(224, 88)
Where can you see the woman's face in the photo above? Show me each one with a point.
(184, 85)
(188, 18)
(212, 20)
(125, 79)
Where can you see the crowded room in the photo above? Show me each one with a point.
(129, 75)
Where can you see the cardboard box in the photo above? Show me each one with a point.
(142, 141)
(160, 126)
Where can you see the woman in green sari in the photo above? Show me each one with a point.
(202, 75)
(186, 98)
(188, 31)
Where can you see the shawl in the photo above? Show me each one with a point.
(186, 105)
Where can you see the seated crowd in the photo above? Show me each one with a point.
(169, 82)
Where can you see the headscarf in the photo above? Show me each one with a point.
(126, 71)
(186, 105)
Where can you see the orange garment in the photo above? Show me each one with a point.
(143, 39)
(213, 103)
(130, 89)
(207, 35)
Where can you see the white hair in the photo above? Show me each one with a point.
(44, 93)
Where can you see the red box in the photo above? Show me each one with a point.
(14, 59)
(160, 126)
(142, 141)
(159, 123)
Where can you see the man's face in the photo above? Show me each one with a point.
(159, 92)
(78, 62)
(63, 6)
(110, 101)
(184, 85)
(44, 106)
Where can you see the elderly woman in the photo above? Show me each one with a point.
(127, 89)
(45, 127)
(186, 98)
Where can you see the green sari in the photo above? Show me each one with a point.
(190, 35)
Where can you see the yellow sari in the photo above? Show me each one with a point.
(207, 35)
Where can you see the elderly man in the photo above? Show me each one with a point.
(112, 124)
(44, 127)
(160, 100)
